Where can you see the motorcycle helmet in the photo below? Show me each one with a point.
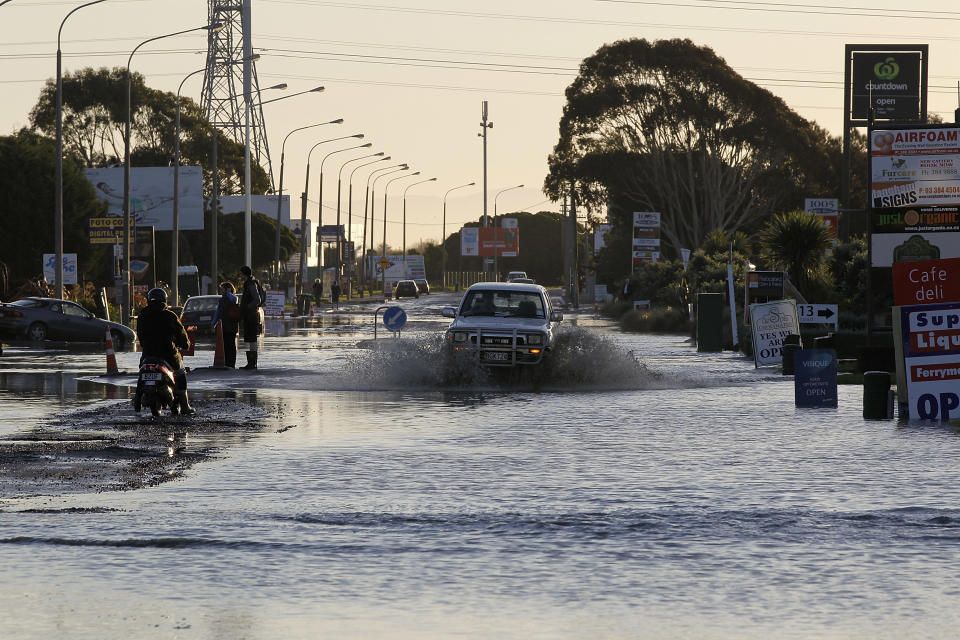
(157, 296)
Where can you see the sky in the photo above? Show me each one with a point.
(412, 75)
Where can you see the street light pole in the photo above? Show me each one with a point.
(276, 244)
(443, 234)
(371, 197)
(366, 145)
(58, 205)
(349, 198)
(303, 211)
(350, 220)
(409, 186)
(385, 188)
(496, 224)
(175, 241)
(128, 284)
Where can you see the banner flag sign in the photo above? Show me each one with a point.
(815, 378)
(930, 343)
(470, 241)
(771, 323)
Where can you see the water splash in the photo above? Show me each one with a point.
(580, 360)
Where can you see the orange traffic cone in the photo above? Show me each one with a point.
(218, 357)
(112, 369)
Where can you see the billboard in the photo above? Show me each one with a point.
(470, 241)
(151, 195)
(415, 268)
(646, 238)
(892, 79)
(915, 193)
(489, 242)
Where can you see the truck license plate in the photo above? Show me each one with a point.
(152, 376)
(496, 355)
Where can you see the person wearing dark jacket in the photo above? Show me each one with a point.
(229, 325)
(160, 332)
(250, 302)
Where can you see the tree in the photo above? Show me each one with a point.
(670, 127)
(94, 119)
(797, 242)
(27, 169)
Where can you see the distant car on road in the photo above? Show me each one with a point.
(515, 274)
(504, 324)
(198, 312)
(423, 286)
(55, 319)
(406, 288)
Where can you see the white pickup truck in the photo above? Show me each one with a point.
(504, 324)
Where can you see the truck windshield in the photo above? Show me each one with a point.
(492, 302)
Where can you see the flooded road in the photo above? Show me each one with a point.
(636, 489)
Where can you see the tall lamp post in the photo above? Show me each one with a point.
(409, 186)
(386, 187)
(349, 198)
(443, 234)
(175, 241)
(276, 244)
(371, 199)
(366, 145)
(496, 225)
(350, 218)
(58, 205)
(303, 210)
(128, 284)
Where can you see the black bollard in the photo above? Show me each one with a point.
(876, 393)
(787, 353)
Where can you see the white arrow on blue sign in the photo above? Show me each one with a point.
(394, 318)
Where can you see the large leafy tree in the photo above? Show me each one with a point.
(668, 126)
(27, 163)
(94, 118)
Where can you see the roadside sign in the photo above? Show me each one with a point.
(384, 263)
(818, 314)
(815, 378)
(276, 300)
(394, 318)
(771, 323)
(69, 267)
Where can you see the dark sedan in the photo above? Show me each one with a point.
(406, 288)
(54, 319)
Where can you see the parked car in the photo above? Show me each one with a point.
(406, 288)
(423, 286)
(55, 319)
(503, 324)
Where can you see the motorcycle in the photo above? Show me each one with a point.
(155, 387)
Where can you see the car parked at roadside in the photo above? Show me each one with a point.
(504, 324)
(56, 319)
(406, 288)
(198, 312)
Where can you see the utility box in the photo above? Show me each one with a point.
(709, 322)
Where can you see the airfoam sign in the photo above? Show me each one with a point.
(931, 349)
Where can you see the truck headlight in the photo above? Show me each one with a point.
(535, 339)
(459, 336)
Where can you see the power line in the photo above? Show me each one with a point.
(777, 7)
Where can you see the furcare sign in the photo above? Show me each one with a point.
(771, 323)
(931, 349)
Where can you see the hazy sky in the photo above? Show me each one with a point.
(411, 75)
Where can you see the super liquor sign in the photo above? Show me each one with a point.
(931, 349)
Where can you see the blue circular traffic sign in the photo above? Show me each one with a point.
(394, 318)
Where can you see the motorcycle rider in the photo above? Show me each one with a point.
(160, 332)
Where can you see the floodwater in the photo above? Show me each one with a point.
(637, 489)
